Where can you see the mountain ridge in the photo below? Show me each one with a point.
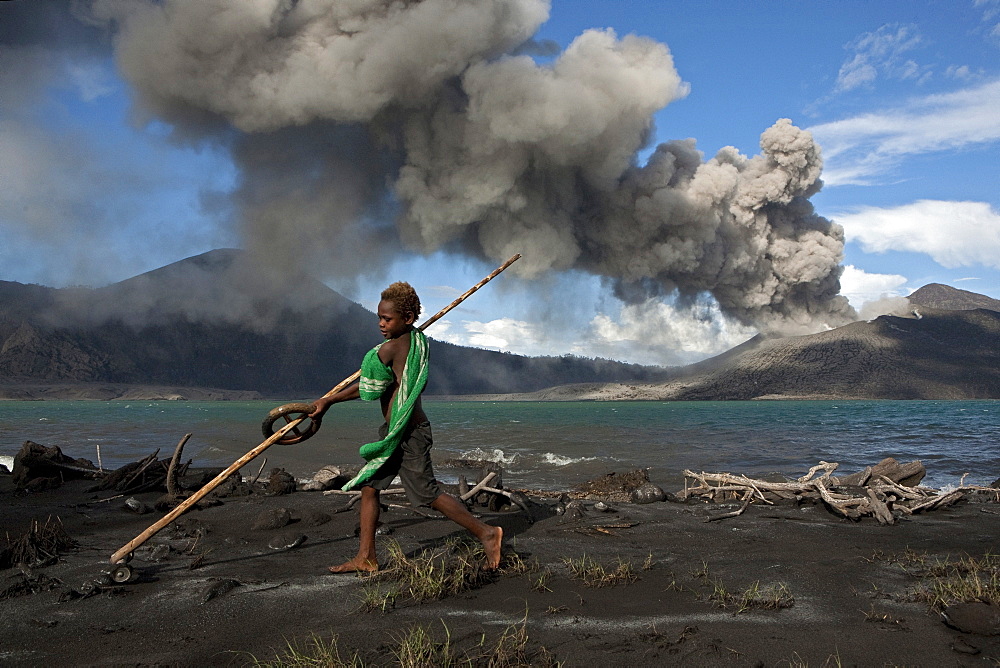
(218, 326)
(951, 351)
(888, 358)
(220, 321)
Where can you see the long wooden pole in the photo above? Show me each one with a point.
(131, 546)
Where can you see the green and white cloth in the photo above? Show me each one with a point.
(376, 378)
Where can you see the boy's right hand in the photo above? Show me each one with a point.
(320, 407)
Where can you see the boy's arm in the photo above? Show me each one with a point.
(349, 393)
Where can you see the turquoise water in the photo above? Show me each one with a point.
(546, 445)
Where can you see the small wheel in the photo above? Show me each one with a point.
(290, 413)
(121, 574)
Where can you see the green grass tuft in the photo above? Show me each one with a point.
(944, 581)
(594, 574)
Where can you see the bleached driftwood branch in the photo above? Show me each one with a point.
(878, 491)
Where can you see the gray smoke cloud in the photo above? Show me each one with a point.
(368, 127)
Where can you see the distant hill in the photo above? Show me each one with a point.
(219, 321)
(946, 297)
(937, 354)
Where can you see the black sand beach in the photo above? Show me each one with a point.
(784, 585)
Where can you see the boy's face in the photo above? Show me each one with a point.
(391, 322)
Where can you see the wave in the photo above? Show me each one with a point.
(518, 460)
(562, 460)
(494, 455)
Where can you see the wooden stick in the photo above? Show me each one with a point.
(130, 546)
(736, 513)
(259, 471)
(879, 508)
(351, 492)
(479, 487)
(826, 467)
(146, 463)
(518, 500)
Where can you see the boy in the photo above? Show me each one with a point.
(395, 372)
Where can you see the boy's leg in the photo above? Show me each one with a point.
(490, 536)
(366, 559)
(417, 474)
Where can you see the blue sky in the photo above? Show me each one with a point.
(902, 97)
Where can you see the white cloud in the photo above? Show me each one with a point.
(991, 9)
(502, 334)
(655, 332)
(880, 53)
(860, 287)
(954, 234)
(652, 333)
(958, 72)
(855, 150)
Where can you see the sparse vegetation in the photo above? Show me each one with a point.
(701, 572)
(944, 581)
(767, 597)
(418, 647)
(376, 597)
(434, 573)
(594, 574)
(772, 596)
(832, 661)
(541, 581)
(314, 652)
(430, 575)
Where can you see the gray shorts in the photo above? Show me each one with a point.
(411, 461)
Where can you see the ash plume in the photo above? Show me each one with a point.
(365, 128)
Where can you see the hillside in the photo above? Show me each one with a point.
(218, 321)
(217, 326)
(938, 354)
(935, 295)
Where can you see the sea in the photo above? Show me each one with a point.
(544, 445)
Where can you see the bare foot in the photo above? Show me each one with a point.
(356, 565)
(491, 544)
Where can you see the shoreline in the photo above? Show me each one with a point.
(213, 590)
(38, 390)
(609, 392)
(63, 391)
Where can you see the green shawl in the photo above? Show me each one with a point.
(376, 378)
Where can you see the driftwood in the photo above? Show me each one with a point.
(40, 546)
(884, 491)
(37, 467)
(174, 469)
(142, 476)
